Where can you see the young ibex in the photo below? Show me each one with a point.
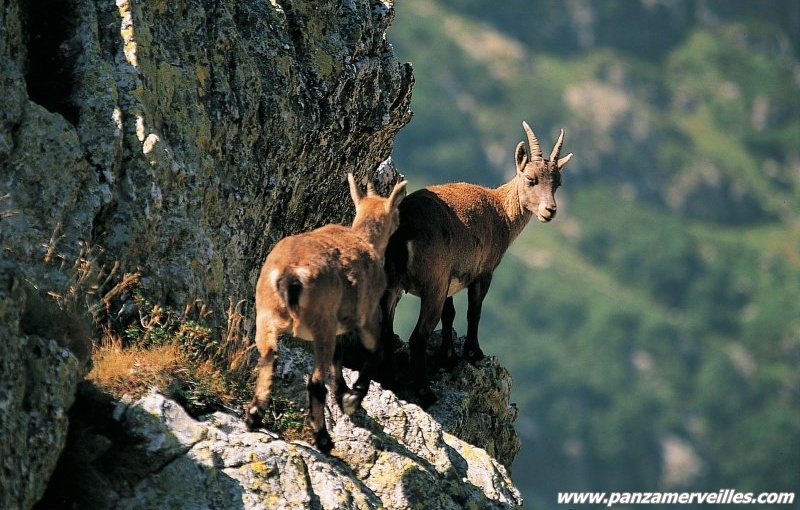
(453, 236)
(317, 285)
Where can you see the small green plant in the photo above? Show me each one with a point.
(287, 418)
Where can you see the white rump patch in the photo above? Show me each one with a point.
(273, 278)
(303, 273)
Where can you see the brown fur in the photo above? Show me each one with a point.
(452, 237)
(317, 285)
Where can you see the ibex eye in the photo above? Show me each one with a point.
(532, 182)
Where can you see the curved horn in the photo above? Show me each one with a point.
(557, 149)
(533, 142)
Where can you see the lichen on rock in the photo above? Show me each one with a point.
(475, 406)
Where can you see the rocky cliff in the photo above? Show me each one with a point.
(181, 140)
(150, 453)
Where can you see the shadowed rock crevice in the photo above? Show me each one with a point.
(112, 451)
(49, 77)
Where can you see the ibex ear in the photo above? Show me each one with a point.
(563, 161)
(355, 192)
(521, 156)
(397, 196)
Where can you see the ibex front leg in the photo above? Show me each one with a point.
(447, 354)
(475, 294)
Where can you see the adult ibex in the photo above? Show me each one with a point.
(317, 285)
(452, 237)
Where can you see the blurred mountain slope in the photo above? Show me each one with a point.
(653, 329)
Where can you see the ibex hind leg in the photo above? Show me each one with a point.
(316, 399)
(267, 343)
(370, 336)
(324, 348)
(255, 410)
(387, 371)
(446, 355)
(340, 387)
(430, 311)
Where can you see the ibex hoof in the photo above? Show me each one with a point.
(323, 441)
(448, 359)
(253, 417)
(351, 401)
(473, 355)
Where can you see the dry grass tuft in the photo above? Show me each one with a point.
(180, 353)
(133, 370)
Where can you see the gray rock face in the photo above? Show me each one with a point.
(390, 454)
(37, 386)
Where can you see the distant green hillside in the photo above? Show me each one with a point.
(653, 329)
